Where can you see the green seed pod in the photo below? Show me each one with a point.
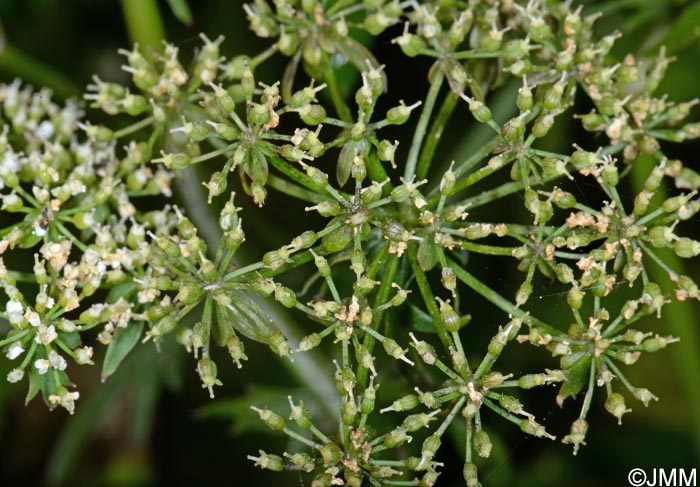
(386, 151)
(523, 294)
(269, 462)
(247, 82)
(516, 49)
(330, 453)
(312, 114)
(513, 130)
(236, 350)
(564, 273)
(460, 28)
(609, 175)
(582, 159)
(359, 169)
(288, 44)
(479, 110)
(492, 379)
(542, 125)
(206, 369)
(482, 444)
(371, 193)
(368, 400)
(661, 236)
(396, 438)
(302, 461)
(641, 202)
(615, 405)
(311, 53)
(285, 296)
(134, 104)
(648, 145)
(430, 446)
(394, 231)
(525, 99)
(348, 411)
(574, 298)
(410, 44)
(291, 153)
(278, 344)
(469, 472)
(564, 199)
(539, 30)
(338, 239)
(448, 316)
(531, 380)
(310, 341)
(398, 115)
(405, 403)
(686, 248)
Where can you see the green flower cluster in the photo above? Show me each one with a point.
(77, 197)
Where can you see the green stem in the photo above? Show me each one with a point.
(144, 23)
(498, 300)
(291, 189)
(16, 63)
(382, 296)
(435, 134)
(340, 106)
(589, 391)
(134, 127)
(419, 134)
(428, 297)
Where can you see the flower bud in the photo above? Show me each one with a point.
(272, 419)
(399, 115)
(268, 461)
(482, 444)
(513, 130)
(615, 405)
(406, 403)
(542, 125)
(644, 395)
(531, 380)
(396, 438)
(577, 434)
(278, 344)
(479, 110)
(330, 453)
(469, 472)
(414, 422)
(686, 248)
(206, 369)
(285, 296)
(448, 316)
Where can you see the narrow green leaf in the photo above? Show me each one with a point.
(181, 10)
(249, 319)
(36, 383)
(71, 339)
(577, 377)
(122, 343)
(427, 253)
(686, 31)
(421, 321)
(120, 290)
(344, 168)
